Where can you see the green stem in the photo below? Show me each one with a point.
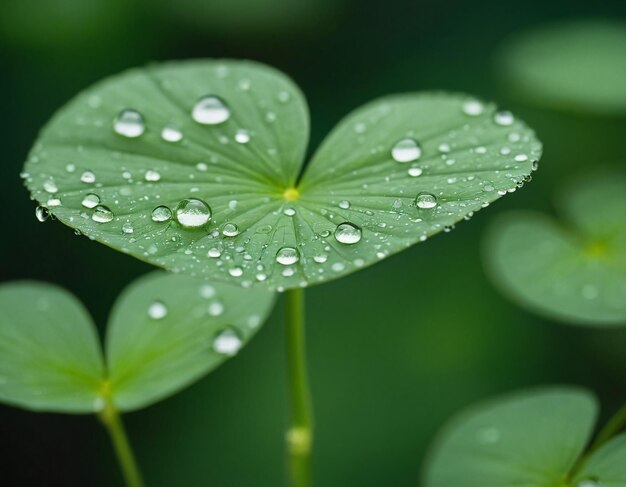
(300, 434)
(113, 422)
(614, 426)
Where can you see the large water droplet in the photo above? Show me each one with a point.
(210, 110)
(347, 233)
(42, 213)
(192, 213)
(406, 150)
(91, 200)
(102, 214)
(161, 214)
(157, 310)
(426, 201)
(227, 342)
(129, 123)
(287, 256)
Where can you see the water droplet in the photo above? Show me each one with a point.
(88, 177)
(242, 136)
(230, 230)
(406, 150)
(287, 256)
(210, 110)
(207, 291)
(53, 202)
(129, 123)
(157, 310)
(214, 253)
(535, 165)
(521, 157)
(473, 108)
(102, 214)
(235, 271)
(347, 233)
(227, 342)
(161, 214)
(171, 133)
(192, 213)
(42, 213)
(216, 308)
(426, 201)
(152, 176)
(50, 186)
(444, 147)
(91, 200)
(415, 171)
(127, 228)
(504, 118)
(289, 212)
(345, 204)
(202, 166)
(321, 258)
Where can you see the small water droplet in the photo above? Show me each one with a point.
(287, 256)
(321, 258)
(214, 253)
(42, 213)
(102, 214)
(348, 233)
(242, 136)
(504, 118)
(129, 123)
(53, 202)
(535, 165)
(216, 308)
(161, 214)
(444, 148)
(230, 230)
(171, 133)
(202, 166)
(406, 150)
(127, 228)
(50, 187)
(88, 177)
(426, 201)
(473, 108)
(207, 291)
(157, 310)
(289, 212)
(415, 171)
(192, 213)
(345, 204)
(227, 342)
(521, 157)
(90, 201)
(210, 110)
(235, 271)
(152, 175)
(70, 168)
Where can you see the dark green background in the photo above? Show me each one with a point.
(395, 349)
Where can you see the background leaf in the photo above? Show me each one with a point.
(366, 194)
(50, 358)
(168, 330)
(575, 65)
(526, 440)
(606, 466)
(574, 271)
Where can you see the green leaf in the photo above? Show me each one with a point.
(574, 270)
(606, 466)
(50, 357)
(167, 331)
(526, 440)
(267, 226)
(575, 65)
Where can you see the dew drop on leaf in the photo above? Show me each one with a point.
(50, 187)
(129, 123)
(216, 308)
(127, 228)
(210, 110)
(88, 177)
(152, 176)
(230, 230)
(102, 214)
(406, 150)
(90, 201)
(287, 256)
(242, 136)
(473, 108)
(227, 342)
(157, 310)
(347, 233)
(161, 214)
(214, 253)
(235, 271)
(504, 118)
(426, 201)
(171, 133)
(192, 213)
(415, 172)
(42, 213)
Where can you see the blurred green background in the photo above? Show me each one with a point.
(394, 350)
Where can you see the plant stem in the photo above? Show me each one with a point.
(611, 428)
(113, 422)
(300, 434)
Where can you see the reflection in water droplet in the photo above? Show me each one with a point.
(192, 213)
(426, 201)
(406, 150)
(102, 214)
(157, 310)
(42, 213)
(504, 118)
(171, 133)
(210, 110)
(242, 136)
(129, 123)
(152, 176)
(91, 200)
(230, 230)
(287, 256)
(347, 233)
(227, 342)
(88, 177)
(473, 108)
(161, 214)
